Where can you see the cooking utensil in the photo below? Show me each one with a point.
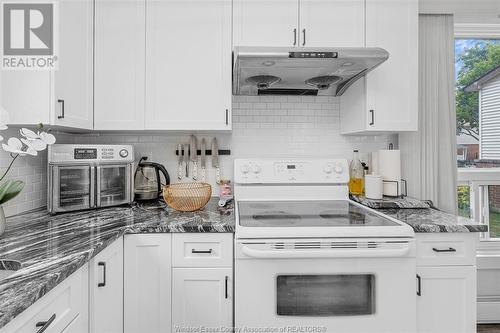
(203, 160)
(187, 197)
(193, 148)
(215, 160)
(186, 159)
(179, 161)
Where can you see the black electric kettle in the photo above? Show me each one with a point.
(147, 181)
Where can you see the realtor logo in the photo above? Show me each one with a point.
(28, 35)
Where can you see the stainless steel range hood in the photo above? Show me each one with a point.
(301, 71)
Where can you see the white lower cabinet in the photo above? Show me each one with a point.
(63, 309)
(147, 283)
(106, 289)
(446, 283)
(201, 297)
(447, 301)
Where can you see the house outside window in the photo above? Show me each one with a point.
(478, 130)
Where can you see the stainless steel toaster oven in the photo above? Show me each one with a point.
(89, 176)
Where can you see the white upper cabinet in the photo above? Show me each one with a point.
(321, 23)
(26, 108)
(62, 97)
(387, 99)
(266, 22)
(188, 65)
(119, 64)
(72, 99)
(332, 23)
(392, 89)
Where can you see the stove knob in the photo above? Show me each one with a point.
(244, 169)
(328, 169)
(256, 169)
(123, 153)
(339, 169)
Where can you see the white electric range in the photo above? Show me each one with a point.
(306, 257)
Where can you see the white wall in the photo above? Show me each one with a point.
(465, 11)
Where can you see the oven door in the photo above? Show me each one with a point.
(72, 188)
(114, 183)
(335, 289)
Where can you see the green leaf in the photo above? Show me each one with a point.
(10, 189)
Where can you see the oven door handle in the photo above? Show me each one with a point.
(326, 253)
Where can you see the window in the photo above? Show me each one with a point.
(477, 74)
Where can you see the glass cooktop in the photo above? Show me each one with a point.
(333, 213)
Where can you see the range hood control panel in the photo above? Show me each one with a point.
(312, 54)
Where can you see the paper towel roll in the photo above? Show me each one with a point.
(389, 167)
(374, 163)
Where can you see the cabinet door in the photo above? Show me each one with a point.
(201, 297)
(72, 103)
(147, 283)
(119, 64)
(266, 22)
(447, 301)
(106, 289)
(188, 64)
(392, 88)
(25, 95)
(332, 23)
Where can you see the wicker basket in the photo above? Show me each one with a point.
(187, 197)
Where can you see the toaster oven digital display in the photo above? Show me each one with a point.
(85, 153)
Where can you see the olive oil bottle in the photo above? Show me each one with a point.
(356, 175)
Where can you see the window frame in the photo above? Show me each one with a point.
(479, 180)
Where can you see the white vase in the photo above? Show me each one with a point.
(2, 221)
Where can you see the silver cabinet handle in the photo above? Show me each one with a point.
(294, 36)
(304, 37)
(372, 122)
(227, 116)
(194, 251)
(226, 293)
(61, 116)
(103, 283)
(419, 285)
(45, 324)
(450, 249)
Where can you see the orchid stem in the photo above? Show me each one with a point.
(10, 166)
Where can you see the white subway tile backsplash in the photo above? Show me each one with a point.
(263, 126)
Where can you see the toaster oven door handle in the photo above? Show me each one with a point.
(326, 253)
(98, 186)
(92, 187)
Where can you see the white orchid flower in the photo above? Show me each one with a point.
(48, 138)
(15, 146)
(29, 134)
(37, 145)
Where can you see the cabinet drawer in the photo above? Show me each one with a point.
(446, 249)
(202, 250)
(64, 305)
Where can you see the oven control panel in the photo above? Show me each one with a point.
(305, 171)
(78, 154)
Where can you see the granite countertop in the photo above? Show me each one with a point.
(50, 248)
(432, 220)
